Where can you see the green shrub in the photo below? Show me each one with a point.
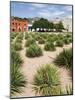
(49, 46)
(41, 41)
(59, 43)
(50, 39)
(33, 51)
(68, 35)
(18, 40)
(13, 35)
(15, 57)
(65, 58)
(69, 91)
(70, 40)
(60, 36)
(26, 36)
(47, 81)
(17, 46)
(66, 40)
(18, 81)
(20, 36)
(37, 37)
(29, 42)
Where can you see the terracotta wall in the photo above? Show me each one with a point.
(19, 25)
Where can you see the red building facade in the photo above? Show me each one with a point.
(19, 25)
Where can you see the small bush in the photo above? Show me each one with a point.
(69, 90)
(18, 40)
(50, 39)
(17, 46)
(60, 36)
(66, 40)
(68, 35)
(59, 43)
(49, 46)
(47, 81)
(29, 42)
(41, 41)
(70, 40)
(26, 36)
(33, 51)
(15, 57)
(65, 58)
(13, 35)
(18, 81)
(20, 36)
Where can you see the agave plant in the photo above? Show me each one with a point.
(26, 35)
(15, 57)
(49, 46)
(46, 81)
(29, 42)
(59, 43)
(18, 81)
(17, 46)
(65, 58)
(34, 51)
(68, 90)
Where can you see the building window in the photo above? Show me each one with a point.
(13, 29)
(19, 23)
(19, 30)
(13, 23)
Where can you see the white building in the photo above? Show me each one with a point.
(67, 22)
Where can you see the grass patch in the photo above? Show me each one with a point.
(49, 46)
(65, 58)
(18, 81)
(29, 42)
(59, 43)
(46, 81)
(17, 46)
(34, 51)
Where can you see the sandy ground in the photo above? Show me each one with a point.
(31, 65)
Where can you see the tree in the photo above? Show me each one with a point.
(41, 24)
(59, 26)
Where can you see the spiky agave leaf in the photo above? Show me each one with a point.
(15, 57)
(17, 80)
(46, 81)
(64, 58)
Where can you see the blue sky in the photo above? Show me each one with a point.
(31, 10)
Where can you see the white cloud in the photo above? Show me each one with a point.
(38, 5)
(59, 13)
(68, 8)
(46, 13)
(32, 8)
(69, 16)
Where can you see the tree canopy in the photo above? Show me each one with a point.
(59, 26)
(44, 23)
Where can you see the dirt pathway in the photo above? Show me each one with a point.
(31, 65)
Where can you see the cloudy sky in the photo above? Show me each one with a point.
(49, 11)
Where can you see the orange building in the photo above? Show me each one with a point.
(19, 24)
